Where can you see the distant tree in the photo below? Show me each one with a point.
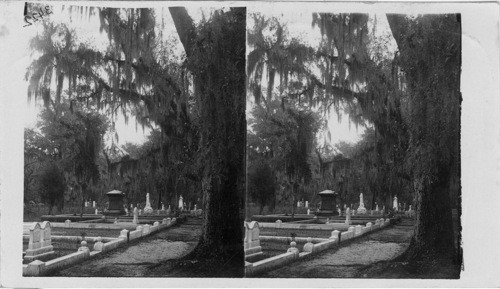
(51, 186)
(261, 184)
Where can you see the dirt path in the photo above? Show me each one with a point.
(134, 259)
(352, 259)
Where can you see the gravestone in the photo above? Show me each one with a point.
(146, 229)
(251, 242)
(162, 207)
(96, 212)
(361, 209)
(328, 203)
(308, 211)
(169, 210)
(335, 234)
(307, 204)
(123, 234)
(136, 216)
(39, 244)
(93, 204)
(67, 223)
(278, 224)
(376, 208)
(115, 207)
(181, 203)
(348, 216)
(395, 203)
(357, 230)
(339, 211)
(148, 209)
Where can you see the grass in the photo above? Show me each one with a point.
(34, 213)
(254, 209)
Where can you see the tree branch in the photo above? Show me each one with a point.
(185, 28)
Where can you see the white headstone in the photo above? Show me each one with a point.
(308, 211)
(148, 209)
(278, 224)
(136, 216)
(361, 208)
(335, 234)
(395, 203)
(96, 212)
(67, 223)
(162, 207)
(251, 240)
(123, 233)
(307, 204)
(93, 204)
(348, 216)
(181, 203)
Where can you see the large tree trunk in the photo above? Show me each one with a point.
(430, 56)
(216, 57)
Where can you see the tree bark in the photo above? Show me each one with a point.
(430, 56)
(216, 58)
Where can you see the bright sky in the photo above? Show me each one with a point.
(89, 30)
(299, 25)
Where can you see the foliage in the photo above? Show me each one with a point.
(261, 184)
(51, 185)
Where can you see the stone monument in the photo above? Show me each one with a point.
(361, 208)
(115, 206)
(252, 243)
(395, 203)
(40, 241)
(181, 203)
(147, 208)
(328, 203)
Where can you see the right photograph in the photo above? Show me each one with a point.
(353, 145)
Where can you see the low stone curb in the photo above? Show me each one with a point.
(39, 268)
(252, 269)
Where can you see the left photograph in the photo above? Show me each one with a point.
(134, 141)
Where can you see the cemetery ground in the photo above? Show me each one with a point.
(158, 255)
(376, 255)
